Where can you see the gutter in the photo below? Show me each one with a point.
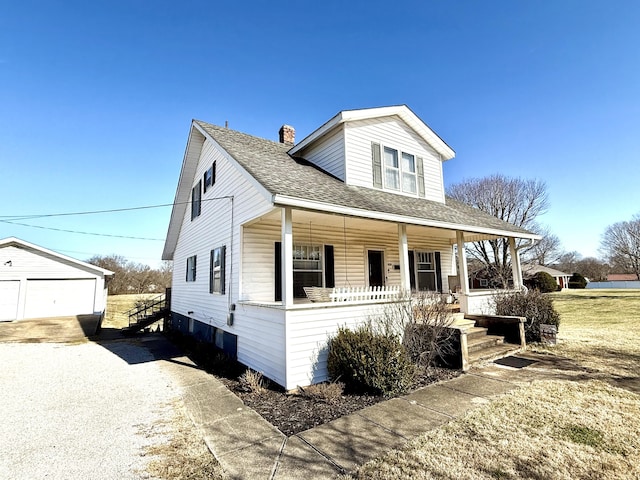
(285, 201)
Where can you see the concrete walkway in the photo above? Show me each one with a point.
(249, 447)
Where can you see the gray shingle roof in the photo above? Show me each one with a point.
(270, 164)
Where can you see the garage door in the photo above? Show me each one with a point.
(57, 298)
(9, 290)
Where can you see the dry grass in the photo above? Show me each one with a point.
(180, 452)
(600, 330)
(117, 305)
(547, 430)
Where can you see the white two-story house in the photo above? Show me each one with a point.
(357, 208)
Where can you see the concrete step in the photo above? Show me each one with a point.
(474, 333)
(484, 342)
(493, 353)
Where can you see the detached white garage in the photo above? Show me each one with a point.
(37, 283)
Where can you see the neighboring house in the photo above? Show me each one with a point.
(36, 283)
(561, 278)
(356, 209)
(622, 277)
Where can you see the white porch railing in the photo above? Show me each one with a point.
(352, 294)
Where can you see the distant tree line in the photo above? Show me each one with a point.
(132, 277)
(520, 202)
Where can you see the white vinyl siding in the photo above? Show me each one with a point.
(214, 229)
(329, 154)
(394, 133)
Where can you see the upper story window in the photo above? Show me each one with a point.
(196, 197)
(210, 177)
(400, 175)
(397, 170)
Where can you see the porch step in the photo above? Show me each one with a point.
(474, 333)
(493, 353)
(484, 342)
(460, 321)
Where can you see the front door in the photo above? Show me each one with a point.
(376, 268)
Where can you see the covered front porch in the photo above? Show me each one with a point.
(294, 256)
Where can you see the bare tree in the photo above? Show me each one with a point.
(568, 262)
(131, 277)
(547, 251)
(621, 245)
(592, 268)
(513, 200)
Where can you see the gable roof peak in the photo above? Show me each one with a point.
(401, 111)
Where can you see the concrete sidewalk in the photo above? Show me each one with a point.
(249, 447)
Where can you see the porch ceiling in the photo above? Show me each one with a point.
(318, 219)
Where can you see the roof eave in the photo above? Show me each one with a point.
(282, 200)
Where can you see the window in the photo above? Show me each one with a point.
(216, 270)
(307, 268)
(191, 269)
(210, 177)
(196, 195)
(391, 169)
(400, 175)
(426, 271)
(409, 183)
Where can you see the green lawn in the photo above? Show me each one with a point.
(553, 429)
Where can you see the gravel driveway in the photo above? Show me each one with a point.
(80, 411)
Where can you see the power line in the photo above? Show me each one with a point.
(112, 210)
(83, 233)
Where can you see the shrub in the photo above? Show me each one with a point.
(577, 281)
(328, 392)
(251, 381)
(543, 281)
(368, 361)
(537, 307)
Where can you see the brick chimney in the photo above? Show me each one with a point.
(287, 135)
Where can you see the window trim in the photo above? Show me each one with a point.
(399, 171)
(321, 263)
(217, 272)
(191, 273)
(196, 209)
(211, 180)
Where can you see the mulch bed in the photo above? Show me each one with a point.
(292, 413)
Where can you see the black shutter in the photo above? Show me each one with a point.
(412, 270)
(278, 272)
(213, 174)
(438, 272)
(329, 274)
(376, 165)
(420, 177)
(223, 261)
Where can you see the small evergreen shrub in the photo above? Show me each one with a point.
(577, 281)
(367, 361)
(543, 281)
(536, 306)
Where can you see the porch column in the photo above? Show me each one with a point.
(287, 257)
(403, 250)
(463, 272)
(515, 264)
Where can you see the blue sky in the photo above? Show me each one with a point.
(96, 99)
